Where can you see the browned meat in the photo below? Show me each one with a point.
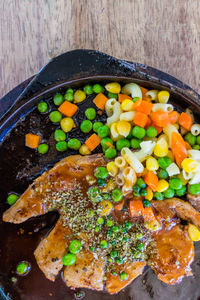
(114, 284)
(194, 200)
(86, 272)
(174, 254)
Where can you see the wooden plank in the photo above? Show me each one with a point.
(161, 33)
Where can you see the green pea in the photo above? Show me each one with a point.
(140, 246)
(86, 126)
(96, 126)
(94, 194)
(158, 196)
(136, 188)
(146, 203)
(106, 143)
(135, 143)
(128, 225)
(69, 259)
(164, 162)
(97, 228)
(140, 182)
(109, 223)
(61, 146)
(105, 196)
(71, 91)
(151, 132)
(123, 276)
(112, 95)
(119, 260)
(138, 132)
(198, 139)
(12, 198)
(58, 99)
(115, 228)
(122, 143)
(23, 268)
(103, 244)
(196, 147)
(103, 131)
(42, 107)
(190, 138)
(181, 192)
(55, 116)
(113, 253)
(68, 97)
(143, 192)
(162, 174)
(100, 221)
(75, 246)
(97, 88)
(59, 135)
(110, 153)
(194, 189)
(88, 89)
(90, 113)
(169, 193)
(175, 183)
(117, 195)
(101, 182)
(101, 172)
(43, 148)
(74, 144)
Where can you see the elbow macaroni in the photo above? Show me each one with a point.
(127, 116)
(132, 160)
(116, 114)
(120, 162)
(163, 107)
(153, 94)
(133, 89)
(195, 129)
(109, 106)
(168, 130)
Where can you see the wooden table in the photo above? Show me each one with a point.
(161, 33)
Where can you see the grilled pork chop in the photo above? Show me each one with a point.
(194, 200)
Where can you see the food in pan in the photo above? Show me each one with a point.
(122, 209)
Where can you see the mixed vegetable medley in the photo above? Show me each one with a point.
(152, 152)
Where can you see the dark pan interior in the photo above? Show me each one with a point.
(20, 165)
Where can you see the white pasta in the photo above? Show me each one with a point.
(126, 189)
(194, 154)
(116, 114)
(133, 89)
(129, 176)
(114, 132)
(120, 179)
(132, 160)
(189, 112)
(168, 130)
(120, 162)
(173, 169)
(186, 175)
(195, 129)
(141, 155)
(147, 147)
(163, 107)
(153, 94)
(196, 178)
(109, 106)
(127, 116)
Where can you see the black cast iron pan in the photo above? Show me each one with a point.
(20, 165)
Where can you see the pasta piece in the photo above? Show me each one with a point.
(153, 94)
(120, 162)
(129, 176)
(195, 129)
(133, 89)
(112, 169)
(186, 175)
(162, 106)
(141, 155)
(127, 116)
(194, 154)
(126, 189)
(168, 130)
(173, 169)
(132, 160)
(147, 146)
(196, 178)
(190, 113)
(120, 179)
(116, 114)
(114, 132)
(109, 106)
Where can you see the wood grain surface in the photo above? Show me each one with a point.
(161, 33)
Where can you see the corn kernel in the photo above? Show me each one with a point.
(194, 233)
(79, 96)
(112, 169)
(184, 181)
(163, 96)
(152, 164)
(113, 87)
(84, 150)
(152, 225)
(162, 185)
(67, 124)
(189, 165)
(161, 148)
(124, 128)
(105, 208)
(127, 105)
(114, 132)
(149, 195)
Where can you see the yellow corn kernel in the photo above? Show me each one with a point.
(127, 105)
(161, 148)
(164, 136)
(79, 96)
(124, 128)
(152, 164)
(162, 185)
(184, 181)
(104, 208)
(84, 150)
(189, 165)
(194, 233)
(67, 124)
(113, 87)
(170, 155)
(152, 225)
(112, 168)
(163, 96)
(149, 195)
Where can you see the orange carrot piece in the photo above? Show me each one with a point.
(148, 214)
(68, 109)
(140, 119)
(144, 91)
(32, 140)
(100, 101)
(149, 123)
(173, 116)
(122, 97)
(137, 103)
(145, 107)
(160, 118)
(151, 180)
(187, 145)
(185, 121)
(159, 129)
(120, 205)
(136, 208)
(93, 141)
(178, 147)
